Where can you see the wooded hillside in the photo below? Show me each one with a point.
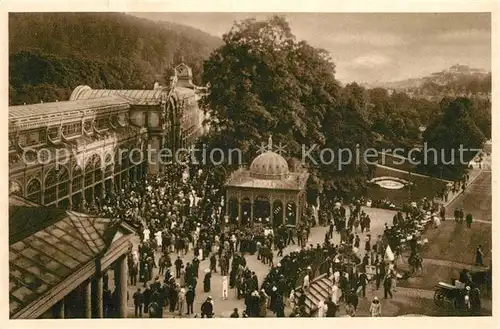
(52, 53)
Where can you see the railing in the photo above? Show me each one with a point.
(320, 269)
(317, 268)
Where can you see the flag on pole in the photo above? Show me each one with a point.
(389, 253)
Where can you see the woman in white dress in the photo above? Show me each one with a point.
(225, 287)
(146, 234)
(159, 239)
(291, 299)
(336, 294)
(321, 309)
(306, 284)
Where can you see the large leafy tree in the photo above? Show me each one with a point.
(455, 130)
(265, 81)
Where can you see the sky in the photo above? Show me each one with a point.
(371, 47)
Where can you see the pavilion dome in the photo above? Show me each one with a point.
(269, 165)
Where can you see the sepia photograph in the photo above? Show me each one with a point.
(249, 165)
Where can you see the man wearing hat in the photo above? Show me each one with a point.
(234, 314)
(178, 265)
(207, 308)
(207, 281)
(280, 306)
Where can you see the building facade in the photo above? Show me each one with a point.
(64, 153)
(267, 192)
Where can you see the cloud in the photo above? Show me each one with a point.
(367, 38)
(471, 35)
(370, 61)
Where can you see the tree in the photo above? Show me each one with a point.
(265, 81)
(454, 131)
(102, 50)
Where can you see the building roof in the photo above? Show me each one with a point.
(55, 108)
(269, 165)
(243, 178)
(137, 96)
(47, 245)
(183, 92)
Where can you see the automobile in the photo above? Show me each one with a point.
(445, 292)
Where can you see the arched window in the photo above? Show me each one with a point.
(63, 182)
(77, 179)
(97, 169)
(125, 159)
(34, 191)
(89, 173)
(118, 167)
(50, 184)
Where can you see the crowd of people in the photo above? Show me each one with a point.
(181, 210)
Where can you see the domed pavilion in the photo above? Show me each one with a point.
(268, 191)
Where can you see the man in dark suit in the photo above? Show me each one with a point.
(138, 302)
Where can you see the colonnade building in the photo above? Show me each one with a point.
(63, 153)
(68, 153)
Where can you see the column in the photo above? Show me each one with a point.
(59, 309)
(298, 214)
(227, 205)
(285, 208)
(112, 188)
(103, 186)
(271, 209)
(239, 211)
(134, 173)
(153, 166)
(298, 210)
(98, 300)
(251, 212)
(121, 285)
(87, 299)
(70, 193)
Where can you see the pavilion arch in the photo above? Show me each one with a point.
(89, 173)
(246, 211)
(291, 213)
(63, 181)
(277, 214)
(232, 211)
(261, 207)
(108, 163)
(93, 174)
(76, 187)
(50, 187)
(34, 190)
(97, 168)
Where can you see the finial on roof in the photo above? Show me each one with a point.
(270, 142)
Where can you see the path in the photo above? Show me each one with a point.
(223, 308)
(413, 174)
(477, 198)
